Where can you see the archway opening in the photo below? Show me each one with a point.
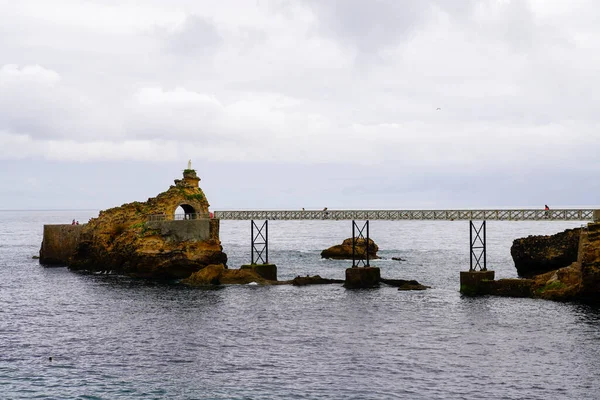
(185, 211)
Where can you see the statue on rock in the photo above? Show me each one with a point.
(189, 164)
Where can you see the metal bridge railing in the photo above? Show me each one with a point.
(177, 217)
(392, 215)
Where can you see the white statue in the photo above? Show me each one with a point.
(189, 164)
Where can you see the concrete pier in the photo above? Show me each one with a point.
(362, 277)
(59, 243)
(266, 271)
(474, 282)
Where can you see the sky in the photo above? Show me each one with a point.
(283, 104)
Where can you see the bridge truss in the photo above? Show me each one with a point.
(394, 215)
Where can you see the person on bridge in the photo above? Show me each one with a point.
(546, 208)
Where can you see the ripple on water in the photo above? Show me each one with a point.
(116, 337)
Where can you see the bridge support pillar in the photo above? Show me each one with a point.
(259, 251)
(366, 277)
(266, 271)
(473, 282)
(259, 245)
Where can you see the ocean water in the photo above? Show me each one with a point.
(114, 337)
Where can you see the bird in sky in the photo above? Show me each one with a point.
(438, 109)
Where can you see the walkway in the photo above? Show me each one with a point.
(394, 215)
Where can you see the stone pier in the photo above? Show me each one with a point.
(362, 277)
(266, 271)
(59, 243)
(474, 282)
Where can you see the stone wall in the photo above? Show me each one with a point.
(187, 230)
(59, 243)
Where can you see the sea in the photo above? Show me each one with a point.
(114, 337)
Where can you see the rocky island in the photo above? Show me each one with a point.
(143, 239)
(344, 251)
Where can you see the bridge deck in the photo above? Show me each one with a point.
(394, 215)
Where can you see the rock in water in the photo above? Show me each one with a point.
(127, 241)
(536, 255)
(578, 281)
(344, 251)
(402, 284)
(313, 280)
(219, 275)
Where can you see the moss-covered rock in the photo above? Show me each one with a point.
(344, 251)
(219, 275)
(122, 240)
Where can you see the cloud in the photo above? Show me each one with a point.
(370, 26)
(196, 36)
(35, 102)
(11, 74)
(301, 83)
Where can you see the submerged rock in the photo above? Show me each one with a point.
(402, 284)
(536, 255)
(344, 251)
(313, 280)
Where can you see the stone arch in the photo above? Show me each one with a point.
(185, 211)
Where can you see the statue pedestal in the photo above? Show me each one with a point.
(362, 277)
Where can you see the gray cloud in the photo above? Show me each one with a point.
(198, 36)
(238, 84)
(372, 25)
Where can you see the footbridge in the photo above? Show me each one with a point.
(395, 215)
(360, 232)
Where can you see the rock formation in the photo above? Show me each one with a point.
(144, 239)
(344, 251)
(535, 255)
(220, 275)
(402, 284)
(314, 280)
(578, 281)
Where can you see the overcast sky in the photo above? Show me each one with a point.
(301, 103)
